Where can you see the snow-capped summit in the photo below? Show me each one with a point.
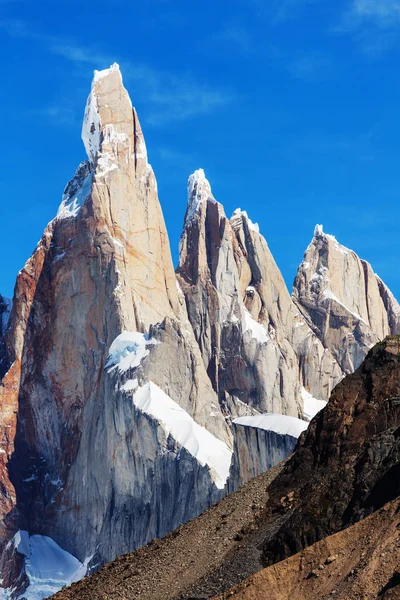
(348, 306)
(237, 217)
(199, 193)
(318, 230)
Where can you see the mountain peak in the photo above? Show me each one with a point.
(318, 230)
(237, 217)
(114, 68)
(110, 123)
(199, 192)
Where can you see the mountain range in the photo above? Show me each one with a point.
(134, 396)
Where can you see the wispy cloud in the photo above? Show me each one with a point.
(373, 24)
(338, 147)
(235, 35)
(78, 54)
(283, 10)
(167, 97)
(311, 67)
(56, 114)
(383, 12)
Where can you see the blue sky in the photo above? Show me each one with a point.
(291, 107)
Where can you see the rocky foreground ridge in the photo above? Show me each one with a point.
(134, 397)
(344, 470)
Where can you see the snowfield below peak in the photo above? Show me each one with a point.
(311, 405)
(200, 443)
(281, 424)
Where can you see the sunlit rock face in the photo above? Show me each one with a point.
(256, 346)
(124, 385)
(81, 461)
(347, 305)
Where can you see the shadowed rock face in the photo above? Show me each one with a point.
(347, 305)
(347, 464)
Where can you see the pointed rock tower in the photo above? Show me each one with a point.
(256, 346)
(346, 304)
(111, 431)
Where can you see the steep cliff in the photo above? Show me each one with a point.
(256, 346)
(261, 442)
(345, 467)
(83, 460)
(5, 309)
(347, 305)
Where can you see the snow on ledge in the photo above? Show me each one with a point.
(200, 443)
(257, 330)
(319, 233)
(91, 127)
(48, 567)
(329, 295)
(237, 216)
(311, 405)
(128, 350)
(281, 424)
(71, 205)
(104, 72)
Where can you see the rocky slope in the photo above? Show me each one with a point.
(344, 469)
(347, 305)
(362, 561)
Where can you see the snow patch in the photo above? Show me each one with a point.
(48, 567)
(257, 330)
(108, 159)
(311, 405)
(103, 73)
(91, 127)
(237, 216)
(329, 295)
(71, 204)
(130, 386)
(202, 445)
(281, 424)
(128, 350)
(199, 191)
(319, 232)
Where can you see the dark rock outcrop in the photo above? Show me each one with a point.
(347, 465)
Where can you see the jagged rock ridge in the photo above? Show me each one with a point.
(120, 386)
(256, 346)
(347, 305)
